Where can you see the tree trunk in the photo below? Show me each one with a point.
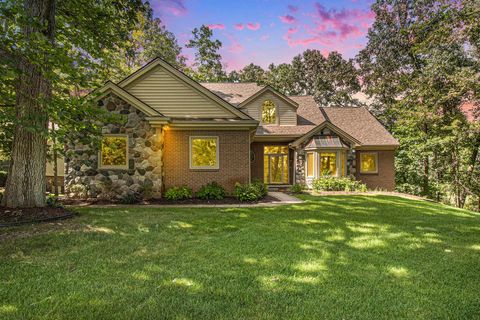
(26, 176)
(55, 162)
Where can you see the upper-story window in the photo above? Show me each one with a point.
(269, 112)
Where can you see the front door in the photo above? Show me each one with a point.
(275, 165)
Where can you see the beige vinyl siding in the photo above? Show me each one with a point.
(287, 113)
(173, 98)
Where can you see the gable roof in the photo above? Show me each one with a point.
(188, 81)
(111, 87)
(274, 92)
(234, 93)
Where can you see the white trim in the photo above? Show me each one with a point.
(115, 167)
(375, 154)
(273, 91)
(217, 160)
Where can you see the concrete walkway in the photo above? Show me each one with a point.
(282, 199)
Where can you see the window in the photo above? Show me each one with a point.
(114, 152)
(269, 112)
(204, 153)
(310, 164)
(328, 164)
(275, 164)
(368, 162)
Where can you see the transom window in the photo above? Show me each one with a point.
(114, 152)
(269, 112)
(368, 162)
(204, 153)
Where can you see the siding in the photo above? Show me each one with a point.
(174, 98)
(287, 113)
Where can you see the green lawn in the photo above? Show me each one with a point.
(337, 257)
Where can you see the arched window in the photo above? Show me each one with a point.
(269, 112)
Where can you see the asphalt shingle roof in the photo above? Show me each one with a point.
(357, 122)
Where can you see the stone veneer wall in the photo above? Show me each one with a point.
(145, 162)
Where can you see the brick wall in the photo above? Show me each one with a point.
(385, 178)
(234, 159)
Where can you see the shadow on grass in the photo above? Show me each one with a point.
(333, 257)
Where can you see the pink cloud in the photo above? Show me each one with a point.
(253, 26)
(292, 8)
(239, 26)
(287, 19)
(216, 26)
(235, 46)
(175, 7)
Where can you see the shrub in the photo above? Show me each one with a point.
(52, 201)
(260, 187)
(211, 191)
(297, 188)
(78, 191)
(250, 192)
(130, 198)
(1, 197)
(178, 193)
(3, 178)
(328, 183)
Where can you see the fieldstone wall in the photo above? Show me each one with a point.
(144, 176)
(300, 167)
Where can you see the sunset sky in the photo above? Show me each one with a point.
(266, 31)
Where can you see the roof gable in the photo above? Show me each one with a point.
(326, 124)
(175, 95)
(111, 87)
(272, 91)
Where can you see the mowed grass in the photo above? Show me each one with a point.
(336, 257)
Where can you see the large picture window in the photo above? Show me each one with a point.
(269, 112)
(328, 163)
(275, 164)
(114, 152)
(368, 162)
(204, 153)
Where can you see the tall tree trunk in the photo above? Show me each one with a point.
(26, 176)
(55, 162)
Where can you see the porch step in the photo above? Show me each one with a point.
(281, 188)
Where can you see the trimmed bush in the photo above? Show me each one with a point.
(338, 184)
(130, 198)
(211, 191)
(3, 178)
(297, 188)
(78, 191)
(178, 193)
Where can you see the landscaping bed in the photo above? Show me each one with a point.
(18, 216)
(192, 201)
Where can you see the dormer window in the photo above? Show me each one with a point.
(269, 112)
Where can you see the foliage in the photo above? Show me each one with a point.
(420, 65)
(329, 183)
(297, 188)
(52, 201)
(261, 187)
(77, 191)
(1, 196)
(208, 65)
(178, 193)
(252, 73)
(130, 198)
(3, 178)
(250, 192)
(211, 191)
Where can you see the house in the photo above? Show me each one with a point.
(181, 132)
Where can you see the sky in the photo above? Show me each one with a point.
(270, 31)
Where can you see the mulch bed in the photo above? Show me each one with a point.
(18, 216)
(193, 201)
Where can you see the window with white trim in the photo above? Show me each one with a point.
(204, 152)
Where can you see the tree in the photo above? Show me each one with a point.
(53, 49)
(252, 73)
(419, 67)
(208, 66)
